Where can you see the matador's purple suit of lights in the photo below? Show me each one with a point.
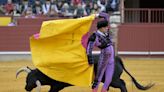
(102, 40)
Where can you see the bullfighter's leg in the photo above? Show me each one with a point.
(109, 68)
(100, 72)
(108, 75)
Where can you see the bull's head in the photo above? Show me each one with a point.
(31, 79)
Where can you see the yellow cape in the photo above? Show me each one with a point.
(58, 52)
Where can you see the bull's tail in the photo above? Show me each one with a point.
(139, 86)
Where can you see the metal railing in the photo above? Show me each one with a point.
(143, 15)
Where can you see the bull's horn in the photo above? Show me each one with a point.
(38, 88)
(25, 69)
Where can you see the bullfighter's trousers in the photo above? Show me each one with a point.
(105, 66)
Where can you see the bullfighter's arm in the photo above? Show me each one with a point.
(90, 45)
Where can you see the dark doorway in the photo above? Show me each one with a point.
(151, 3)
(155, 16)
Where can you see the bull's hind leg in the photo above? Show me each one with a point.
(119, 84)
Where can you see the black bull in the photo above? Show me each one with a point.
(36, 78)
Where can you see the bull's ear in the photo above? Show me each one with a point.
(38, 88)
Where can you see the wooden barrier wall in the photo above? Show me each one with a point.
(16, 38)
(143, 38)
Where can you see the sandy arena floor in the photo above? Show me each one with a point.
(145, 71)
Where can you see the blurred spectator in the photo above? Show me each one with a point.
(24, 8)
(38, 8)
(29, 13)
(2, 11)
(95, 9)
(94, 1)
(3, 2)
(9, 7)
(31, 2)
(103, 2)
(52, 11)
(46, 7)
(42, 2)
(51, 8)
(16, 12)
(53, 2)
(88, 7)
(112, 5)
(20, 6)
(65, 10)
(80, 11)
(59, 6)
(17, 1)
(102, 5)
(68, 1)
(71, 8)
(76, 2)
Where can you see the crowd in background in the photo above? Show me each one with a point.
(51, 8)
